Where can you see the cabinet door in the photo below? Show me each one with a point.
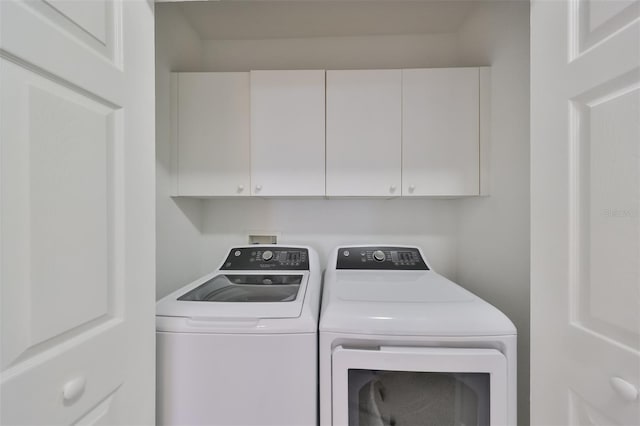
(213, 147)
(440, 131)
(364, 132)
(287, 133)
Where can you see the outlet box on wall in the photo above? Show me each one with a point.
(263, 237)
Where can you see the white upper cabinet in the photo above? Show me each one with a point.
(364, 136)
(441, 132)
(287, 133)
(213, 134)
(412, 132)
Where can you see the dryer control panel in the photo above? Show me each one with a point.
(267, 258)
(374, 257)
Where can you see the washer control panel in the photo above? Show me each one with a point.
(374, 257)
(267, 257)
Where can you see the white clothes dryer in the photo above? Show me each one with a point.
(402, 345)
(239, 346)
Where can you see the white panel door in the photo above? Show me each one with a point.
(440, 131)
(287, 133)
(213, 134)
(585, 203)
(77, 192)
(364, 132)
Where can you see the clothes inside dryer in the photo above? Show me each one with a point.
(403, 398)
(246, 288)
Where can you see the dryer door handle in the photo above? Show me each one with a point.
(417, 350)
(423, 359)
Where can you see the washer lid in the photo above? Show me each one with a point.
(407, 303)
(246, 288)
(246, 295)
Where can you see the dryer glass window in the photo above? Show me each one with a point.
(246, 288)
(399, 398)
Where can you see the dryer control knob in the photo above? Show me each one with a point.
(378, 255)
(267, 255)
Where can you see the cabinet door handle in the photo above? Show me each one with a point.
(412, 188)
(392, 188)
(258, 188)
(624, 389)
(240, 188)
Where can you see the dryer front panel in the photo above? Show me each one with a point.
(398, 386)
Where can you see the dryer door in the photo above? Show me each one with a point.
(398, 386)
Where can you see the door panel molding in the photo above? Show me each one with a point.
(101, 74)
(41, 381)
(584, 414)
(591, 266)
(54, 136)
(98, 30)
(593, 22)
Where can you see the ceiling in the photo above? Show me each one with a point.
(268, 19)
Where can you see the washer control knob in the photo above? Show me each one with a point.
(378, 255)
(267, 255)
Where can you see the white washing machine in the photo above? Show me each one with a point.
(239, 346)
(402, 345)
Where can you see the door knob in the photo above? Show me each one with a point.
(392, 188)
(258, 188)
(72, 390)
(240, 188)
(624, 389)
(412, 188)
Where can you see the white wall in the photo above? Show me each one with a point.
(493, 232)
(177, 221)
(401, 51)
(325, 224)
